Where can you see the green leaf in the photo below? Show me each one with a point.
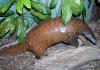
(2, 20)
(37, 20)
(8, 13)
(53, 4)
(27, 3)
(20, 29)
(90, 2)
(84, 14)
(40, 15)
(66, 11)
(12, 25)
(27, 24)
(76, 6)
(48, 11)
(19, 6)
(39, 7)
(6, 6)
(7, 25)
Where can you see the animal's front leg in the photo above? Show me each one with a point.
(73, 42)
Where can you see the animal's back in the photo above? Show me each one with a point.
(45, 34)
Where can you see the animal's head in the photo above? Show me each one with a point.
(81, 28)
(90, 36)
(88, 33)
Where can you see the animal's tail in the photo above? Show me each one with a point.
(19, 48)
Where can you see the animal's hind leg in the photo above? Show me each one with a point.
(38, 51)
(38, 54)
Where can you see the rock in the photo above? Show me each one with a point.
(66, 60)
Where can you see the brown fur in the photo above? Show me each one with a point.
(48, 33)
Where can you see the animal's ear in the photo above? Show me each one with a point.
(90, 36)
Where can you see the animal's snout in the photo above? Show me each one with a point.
(91, 38)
